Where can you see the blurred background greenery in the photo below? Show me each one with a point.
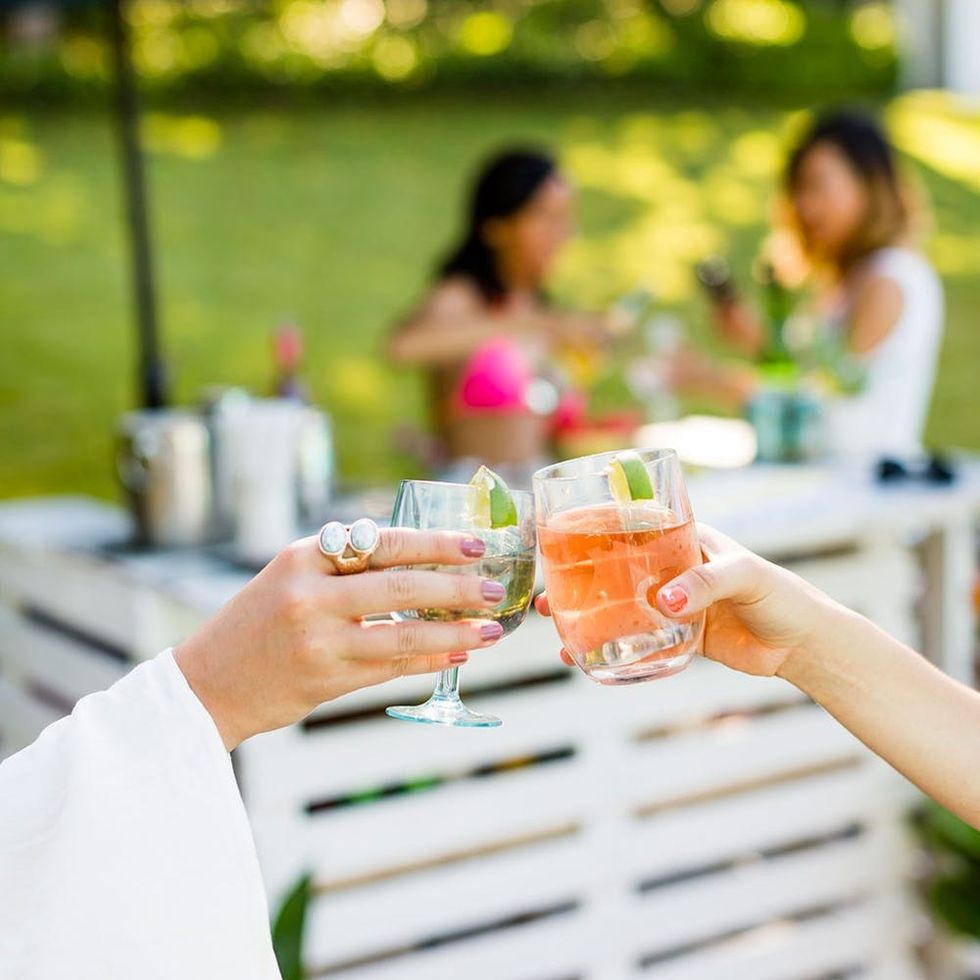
(235, 48)
(308, 159)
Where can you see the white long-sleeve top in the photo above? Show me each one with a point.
(125, 851)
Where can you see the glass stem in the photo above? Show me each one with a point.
(447, 687)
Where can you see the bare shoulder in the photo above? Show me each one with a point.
(878, 307)
(449, 298)
(878, 287)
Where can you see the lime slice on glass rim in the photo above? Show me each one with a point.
(494, 505)
(628, 478)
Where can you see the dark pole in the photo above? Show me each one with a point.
(152, 381)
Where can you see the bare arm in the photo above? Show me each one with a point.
(922, 722)
(691, 372)
(450, 324)
(453, 322)
(740, 325)
(762, 619)
(877, 309)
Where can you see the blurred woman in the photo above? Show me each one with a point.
(485, 331)
(875, 298)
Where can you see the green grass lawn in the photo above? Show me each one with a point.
(335, 216)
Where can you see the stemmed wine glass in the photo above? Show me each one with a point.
(509, 560)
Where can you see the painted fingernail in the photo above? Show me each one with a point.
(458, 658)
(492, 591)
(491, 631)
(473, 547)
(675, 598)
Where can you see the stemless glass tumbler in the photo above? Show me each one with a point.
(605, 559)
(509, 560)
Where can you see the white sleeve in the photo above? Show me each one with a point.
(124, 847)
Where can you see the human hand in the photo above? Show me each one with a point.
(295, 636)
(739, 324)
(690, 370)
(760, 617)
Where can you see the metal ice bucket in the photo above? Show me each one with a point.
(163, 461)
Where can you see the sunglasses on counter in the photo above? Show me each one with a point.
(935, 469)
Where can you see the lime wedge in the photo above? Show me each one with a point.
(494, 506)
(628, 478)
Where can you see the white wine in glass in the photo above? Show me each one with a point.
(508, 560)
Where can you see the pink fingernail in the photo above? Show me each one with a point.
(458, 658)
(491, 631)
(675, 598)
(473, 547)
(493, 591)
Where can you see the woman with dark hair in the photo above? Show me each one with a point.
(875, 295)
(485, 331)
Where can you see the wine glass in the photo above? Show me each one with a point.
(604, 560)
(509, 560)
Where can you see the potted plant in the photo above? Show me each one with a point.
(952, 891)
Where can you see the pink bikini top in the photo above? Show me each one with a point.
(499, 379)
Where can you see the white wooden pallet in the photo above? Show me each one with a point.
(711, 826)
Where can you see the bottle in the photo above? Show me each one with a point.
(288, 353)
(775, 356)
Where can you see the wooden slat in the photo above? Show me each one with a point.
(727, 828)
(735, 751)
(550, 949)
(746, 896)
(61, 664)
(352, 923)
(22, 719)
(292, 767)
(841, 939)
(84, 591)
(364, 840)
(857, 577)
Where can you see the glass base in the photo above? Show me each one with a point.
(443, 711)
(645, 657)
(649, 670)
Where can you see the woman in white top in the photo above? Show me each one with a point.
(851, 219)
(887, 417)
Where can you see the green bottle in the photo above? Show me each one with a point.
(776, 359)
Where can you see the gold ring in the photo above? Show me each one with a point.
(361, 539)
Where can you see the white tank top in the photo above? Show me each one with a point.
(888, 416)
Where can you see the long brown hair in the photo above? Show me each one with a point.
(503, 187)
(893, 208)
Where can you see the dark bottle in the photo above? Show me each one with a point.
(288, 353)
(715, 276)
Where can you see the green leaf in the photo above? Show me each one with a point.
(287, 932)
(948, 833)
(956, 900)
